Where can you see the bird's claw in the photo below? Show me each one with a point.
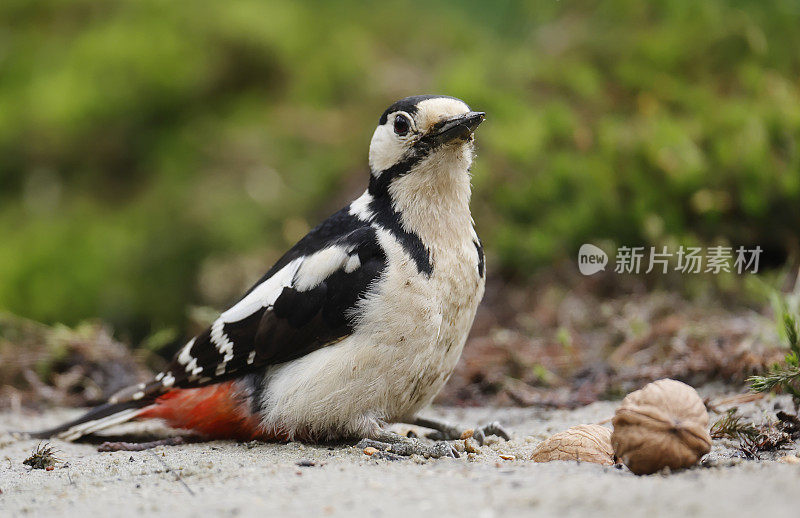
(445, 433)
(452, 433)
(493, 428)
(407, 447)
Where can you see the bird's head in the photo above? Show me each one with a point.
(424, 135)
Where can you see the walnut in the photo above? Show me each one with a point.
(665, 424)
(585, 442)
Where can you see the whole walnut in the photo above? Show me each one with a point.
(585, 442)
(664, 424)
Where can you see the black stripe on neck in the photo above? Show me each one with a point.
(388, 218)
(379, 183)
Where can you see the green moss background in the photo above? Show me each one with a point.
(159, 155)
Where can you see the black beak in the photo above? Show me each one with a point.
(458, 127)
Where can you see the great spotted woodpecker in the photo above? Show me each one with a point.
(359, 324)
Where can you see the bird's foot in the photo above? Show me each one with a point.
(396, 444)
(444, 431)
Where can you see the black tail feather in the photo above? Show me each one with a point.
(94, 415)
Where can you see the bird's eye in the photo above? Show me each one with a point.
(401, 125)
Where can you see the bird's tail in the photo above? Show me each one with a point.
(218, 411)
(100, 417)
(122, 407)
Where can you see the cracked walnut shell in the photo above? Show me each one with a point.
(664, 424)
(585, 442)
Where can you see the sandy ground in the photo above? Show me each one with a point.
(227, 479)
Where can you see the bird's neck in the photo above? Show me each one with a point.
(433, 200)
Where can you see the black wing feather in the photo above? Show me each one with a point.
(303, 321)
(299, 321)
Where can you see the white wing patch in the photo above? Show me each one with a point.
(193, 369)
(352, 264)
(185, 355)
(224, 346)
(264, 295)
(360, 207)
(168, 380)
(319, 266)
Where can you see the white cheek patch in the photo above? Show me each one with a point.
(386, 149)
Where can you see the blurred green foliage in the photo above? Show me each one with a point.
(158, 154)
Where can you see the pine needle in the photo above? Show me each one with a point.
(733, 426)
(786, 376)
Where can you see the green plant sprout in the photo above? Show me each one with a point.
(783, 376)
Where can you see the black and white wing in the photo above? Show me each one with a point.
(305, 302)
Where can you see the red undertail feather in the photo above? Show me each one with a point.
(216, 412)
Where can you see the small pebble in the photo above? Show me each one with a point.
(466, 434)
(505, 456)
(471, 446)
(369, 450)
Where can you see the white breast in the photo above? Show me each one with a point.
(408, 339)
